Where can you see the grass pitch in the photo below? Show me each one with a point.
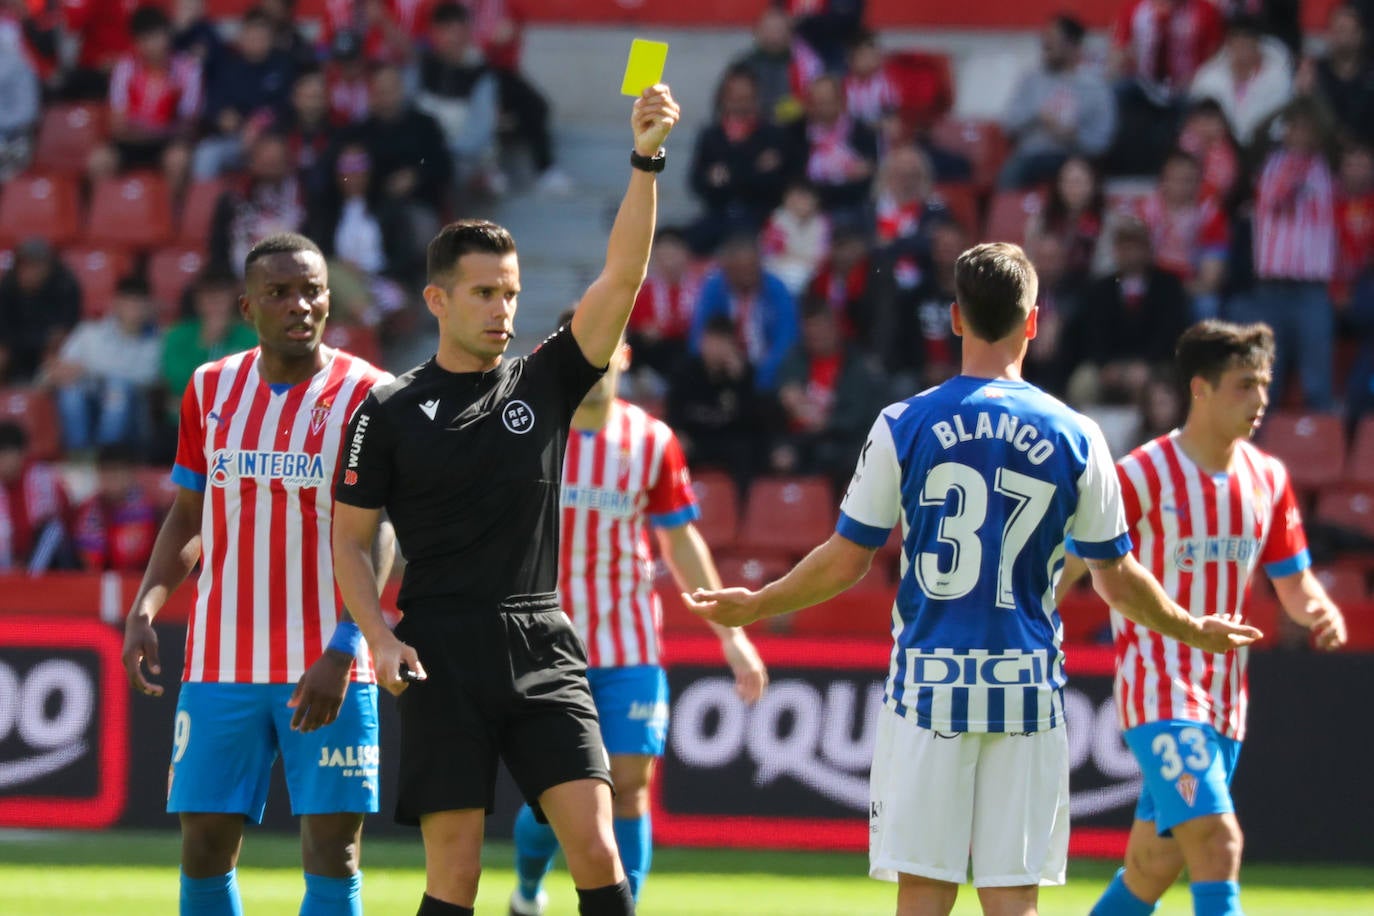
(135, 874)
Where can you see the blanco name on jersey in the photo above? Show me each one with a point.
(1023, 436)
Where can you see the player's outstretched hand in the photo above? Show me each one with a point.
(751, 677)
(320, 692)
(1328, 630)
(729, 607)
(654, 115)
(140, 645)
(1217, 634)
(388, 659)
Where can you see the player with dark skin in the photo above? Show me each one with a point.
(286, 300)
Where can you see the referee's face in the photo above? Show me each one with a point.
(286, 300)
(476, 311)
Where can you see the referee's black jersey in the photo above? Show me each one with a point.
(468, 467)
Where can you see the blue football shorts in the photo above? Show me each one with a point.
(227, 737)
(632, 703)
(1187, 767)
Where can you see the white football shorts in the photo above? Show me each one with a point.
(939, 797)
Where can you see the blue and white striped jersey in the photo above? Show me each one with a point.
(988, 478)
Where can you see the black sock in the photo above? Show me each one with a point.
(429, 906)
(611, 900)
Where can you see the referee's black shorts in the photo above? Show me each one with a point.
(508, 683)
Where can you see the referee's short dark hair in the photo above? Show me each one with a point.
(466, 236)
(279, 243)
(996, 286)
(1209, 348)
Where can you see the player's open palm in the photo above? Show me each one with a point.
(320, 692)
(140, 646)
(729, 607)
(1217, 634)
(654, 115)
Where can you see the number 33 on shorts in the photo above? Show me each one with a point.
(1174, 752)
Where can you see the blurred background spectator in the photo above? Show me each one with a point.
(841, 153)
(459, 92)
(19, 98)
(1343, 78)
(1251, 77)
(268, 198)
(713, 404)
(782, 65)
(115, 528)
(796, 238)
(662, 316)
(35, 511)
(40, 303)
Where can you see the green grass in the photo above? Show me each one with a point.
(135, 874)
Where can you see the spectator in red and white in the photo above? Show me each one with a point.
(1157, 48)
(1343, 78)
(1189, 232)
(410, 162)
(19, 104)
(101, 29)
(841, 152)
(1206, 136)
(1354, 220)
(388, 30)
(459, 91)
(782, 64)
(309, 132)
(267, 199)
(1251, 77)
(155, 97)
(1057, 110)
(830, 27)
(249, 82)
(346, 74)
(796, 238)
(35, 510)
(1295, 255)
(1075, 211)
(870, 92)
(662, 316)
(115, 528)
(842, 282)
(740, 164)
(906, 206)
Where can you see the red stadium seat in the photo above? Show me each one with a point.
(1360, 468)
(198, 212)
(788, 514)
(925, 86)
(33, 409)
(67, 135)
(99, 271)
(962, 201)
(1312, 445)
(355, 339)
(39, 206)
(1009, 214)
(719, 502)
(170, 271)
(1085, 616)
(1344, 584)
(1352, 510)
(981, 142)
(131, 211)
(750, 570)
(1359, 622)
(856, 612)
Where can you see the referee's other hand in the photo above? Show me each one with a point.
(729, 607)
(389, 658)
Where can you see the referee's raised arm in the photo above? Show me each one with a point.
(605, 308)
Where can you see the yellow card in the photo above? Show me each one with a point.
(645, 66)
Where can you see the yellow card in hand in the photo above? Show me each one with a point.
(645, 66)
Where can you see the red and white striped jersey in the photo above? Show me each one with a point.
(614, 480)
(266, 603)
(1295, 221)
(1201, 536)
(154, 99)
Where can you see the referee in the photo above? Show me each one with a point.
(465, 454)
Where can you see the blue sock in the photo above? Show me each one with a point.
(333, 896)
(1117, 900)
(1216, 898)
(634, 836)
(217, 896)
(535, 845)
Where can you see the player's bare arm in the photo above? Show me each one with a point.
(175, 553)
(1125, 585)
(320, 692)
(355, 532)
(1074, 569)
(1307, 603)
(604, 310)
(822, 574)
(689, 560)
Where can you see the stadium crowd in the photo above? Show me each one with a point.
(1213, 161)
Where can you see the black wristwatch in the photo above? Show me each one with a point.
(652, 163)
